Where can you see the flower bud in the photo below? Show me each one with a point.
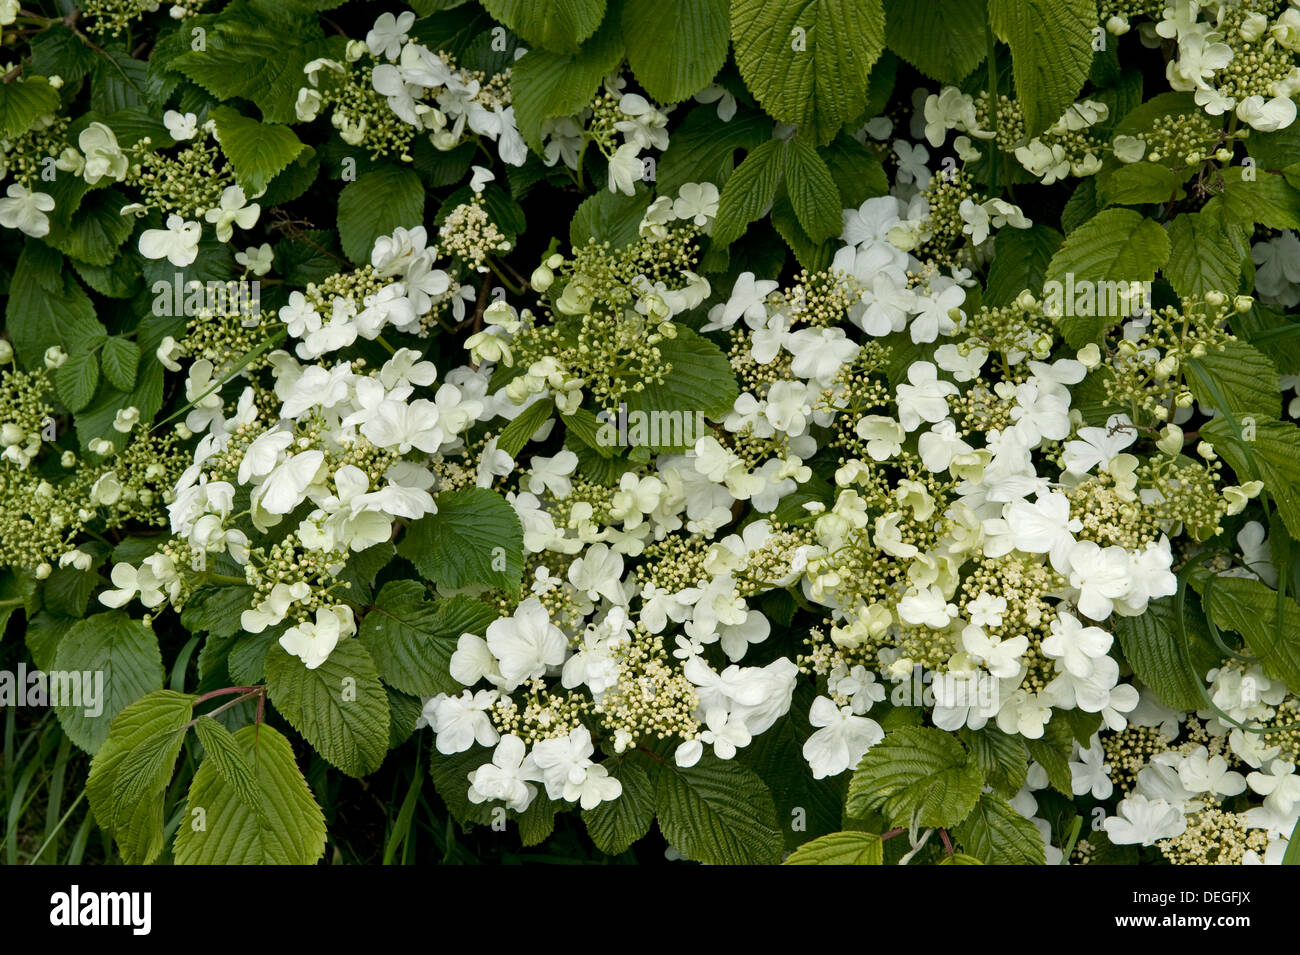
(1089, 356)
(55, 357)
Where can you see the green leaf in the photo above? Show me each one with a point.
(808, 62)
(1000, 756)
(998, 835)
(1020, 262)
(749, 191)
(703, 149)
(1250, 608)
(225, 753)
(1116, 245)
(376, 204)
(1242, 374)
(700, 381)
(718, 812)
(57, 51)
(137, 758)
(257, 151)
(120, 358)
(475, 540)
(412, 638)
(1271, 456)
(615, 825)
(98, 229)
(514, 437)
(340, 707)
(289, 831)
(254, 54)
(812, 191)
(1162, 658)
(544, 84)
(1051, 52)
(857, 172)
(121, 652)
(609, 217)
(1266, 200)
(916, 772)
(558, 25)
(959, 858)
(450, 774)
(1052, 751)
(76, 379)
(675, 47)
(1136, 183)
(42, 312)
(1204, 255)
(840, 848)
(944, 39)
(23, 102)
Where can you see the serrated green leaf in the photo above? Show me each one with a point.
(1250, 608)
(1267, 200)
(916, 772)
(557, 25)
(1000, 756)
(1160, 656)
(944, 39)
(718, 812)
(124, 654)
(1051, 52)
(137, 823)
(1272, 455)
(291, 830)
(475, 540)
(97, 231)
(700, 381)
(257, 151)
(1137, 183)
(340, 707)
(1204, 256)
(412, 638)
(23, 102)
(1116, 245)
(840, 848)
(749, 191)
(616, 824)
(808, 62)
(1052, 751)
(376, 204)
(675, 47)
(1020, 262)
(1242, 374)
(76, 379)
(703, 149)
(812, 191)
(119, 359)
(225, 753)
(609, 217)
(514, 437)
(998, 835)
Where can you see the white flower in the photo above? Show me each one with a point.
(257, 259)
(461, 721)
(314, 642)
(1267, 116)
(925, 398)
(1074, 645)
(526, 643)
(507, 777)
(1091, 773)
(1279, 786)
(625, 169)
(234, 209)
(104, 157)
(1144, 821)
(25, 210)
(178, 243)
(389, 33)
(1044, 527)
(841, 740)
(697, 202)
(181, 126)
(1101, 575)
(999, 657)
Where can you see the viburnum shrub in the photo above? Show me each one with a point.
(862, 428)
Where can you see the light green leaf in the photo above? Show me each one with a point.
(514, 437)
(1051, 52)
(700, 382)
(340, 707)
(1204, 255)
(610, 217)
(1267, 200)
(475, 540)
(136, 761)
(944, 39)
(23, 102)
(225, 753)
(808, 61)
(840, 848)
(675, 47)
(1137, 183)
(121, 652)
(376, 204)
(718, 812)
(749, 191)
(916, 772)
(257, 151)
(291, 829)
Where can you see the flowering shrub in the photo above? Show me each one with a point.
(851, 432)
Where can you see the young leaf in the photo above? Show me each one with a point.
(916, 772)
(840, 848)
